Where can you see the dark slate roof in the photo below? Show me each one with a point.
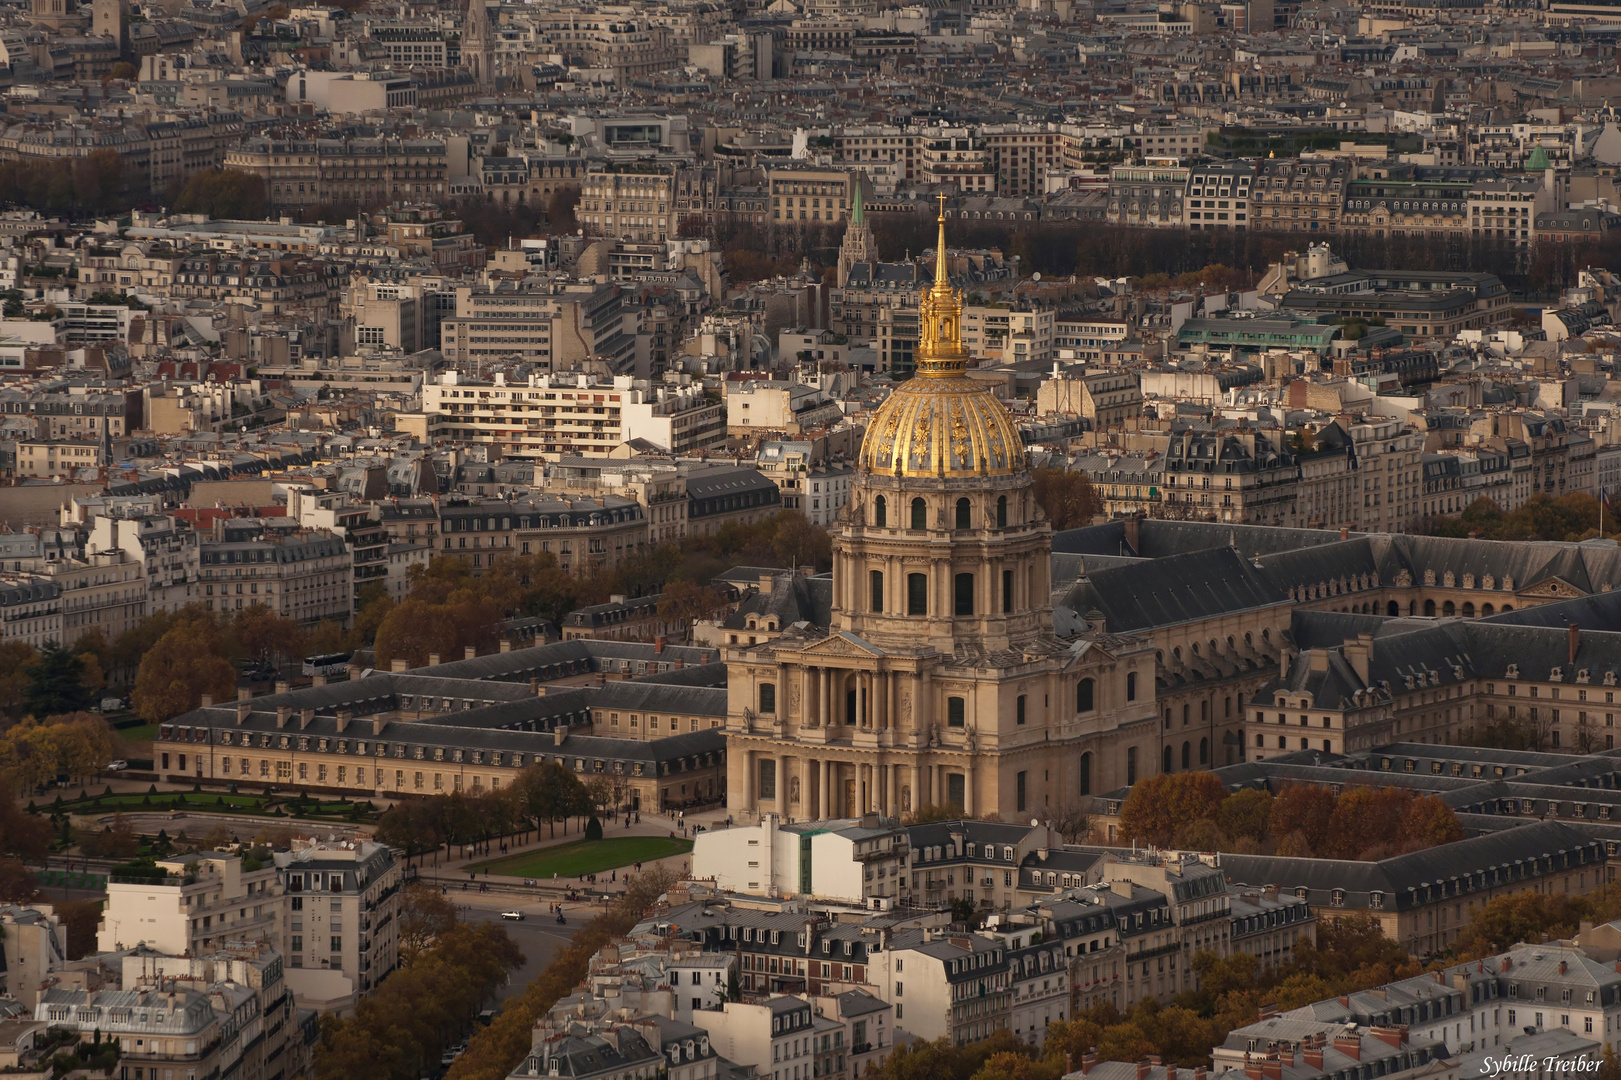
(1175, 589)
(1158, 538)
(1406, 880)
(793, 598)
(1601, 611)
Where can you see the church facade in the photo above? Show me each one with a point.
(939, 680)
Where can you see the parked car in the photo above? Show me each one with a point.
(116, 765)
(514, 915)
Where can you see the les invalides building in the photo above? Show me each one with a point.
(939, 679)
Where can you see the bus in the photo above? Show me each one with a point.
(327, 664)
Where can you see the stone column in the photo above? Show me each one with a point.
(805, 714)
(807, 789)
(968, 788)
(889, 700)
(749, 801)
(917, 787)
(825, 680)
(827, 789)
(895, 791)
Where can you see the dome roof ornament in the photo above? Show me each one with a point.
(940, 354)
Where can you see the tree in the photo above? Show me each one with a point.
(1519, 917)
(798, 542)
(56, 682)
(1067, 498)
(1303, 808)
(1429, 822)
(1072, 821)
(16, 657)
(223, 193)
(1245, 813)
(687, 602)
(264, 635)
(178, 671)
(426, 915)
(1159, 806)
(1365, 819)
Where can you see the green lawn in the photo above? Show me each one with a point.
(142, 734)
(586, 857)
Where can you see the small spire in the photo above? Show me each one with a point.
(858, 213)
(941, 280)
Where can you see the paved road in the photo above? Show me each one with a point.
(538, 937)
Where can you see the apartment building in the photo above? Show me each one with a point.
(75, 410)
(30, 610)
(554, 327)
(783, 1037)
(631, 202)
(886, 154)
(581, 531)
(1022, 155)
(957, 157)
(1219, 195)
(344, 172)
(105, 591)
(556, 416)
(342, 910)
(166, 550)
(192, 904)
(298, 573)
(1506, 208)
(953, 987)
(1299, 195)
(809, 196)
(1148, 195)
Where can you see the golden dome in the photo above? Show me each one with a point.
(941, 423)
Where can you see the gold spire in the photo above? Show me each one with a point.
(940, 354)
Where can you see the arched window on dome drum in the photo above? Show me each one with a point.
(917, 594)
(920, 514)
(876, 578)
(880, 512)
(964, 514)
(963, 594)
(1001, 511)
(1083, 696)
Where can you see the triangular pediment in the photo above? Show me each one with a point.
(843, 643)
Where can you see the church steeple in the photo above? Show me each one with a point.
(859, 245)
(477, 44)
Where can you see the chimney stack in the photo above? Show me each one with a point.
(1143, 1069)
(377, 723)
(344, 716)
(306, 717)
(317, 680)
(1089, 1061)
(559, 733)
(281, 686)
(1349, 1045)
(398, 665)
(244, 693)
(433, 659)
(659, 643)
(208, 700)
(283, 712)
(506, 644)
(470, 652)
